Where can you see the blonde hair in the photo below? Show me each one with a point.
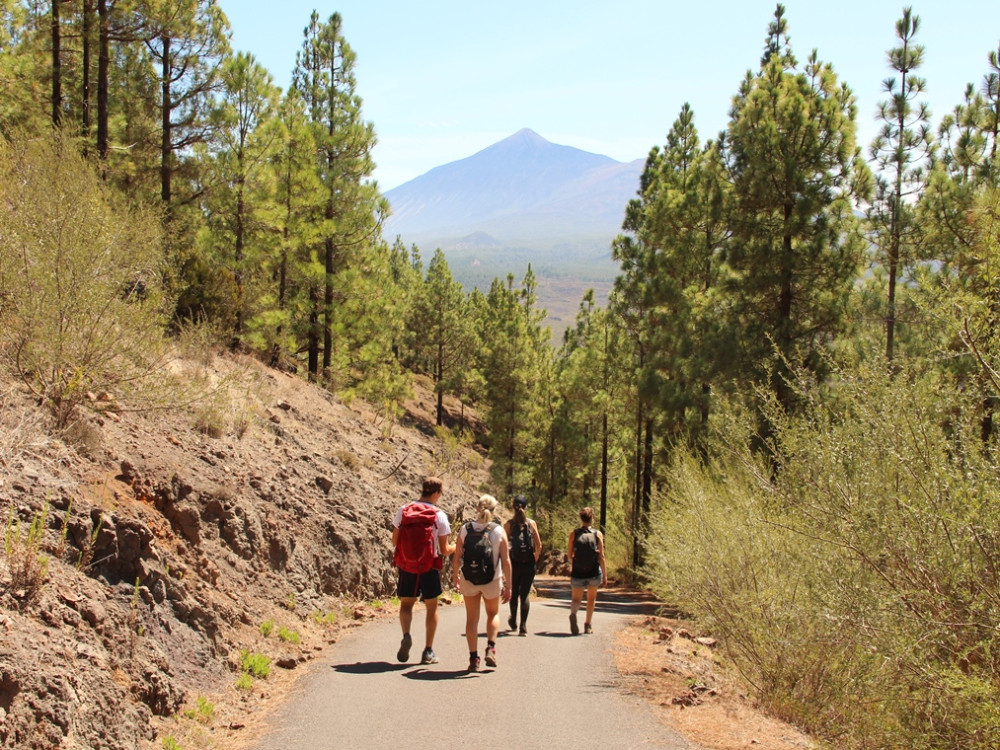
(484, 508)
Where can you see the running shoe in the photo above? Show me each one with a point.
(473, 663)
(511, 622)
(404, 648)
(491, 657)
(587, 630)
(428, 657)
(573, 627)
(523, 631)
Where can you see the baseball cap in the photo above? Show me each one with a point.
(520, 501)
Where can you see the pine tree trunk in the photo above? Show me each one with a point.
(56, 66)
(165, 105)
(87, 30)
(103, 72)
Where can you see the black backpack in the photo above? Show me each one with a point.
(585, 560)
(522, 544)
(477, 555)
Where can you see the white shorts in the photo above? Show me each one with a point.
(489, 590)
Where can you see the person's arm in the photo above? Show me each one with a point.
(505, 566)
(395, 536)
(600, 558)
(446, 548)
(456, 560)
(569, 552)
(538, 539)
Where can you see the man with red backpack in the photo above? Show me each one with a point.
(420, 532)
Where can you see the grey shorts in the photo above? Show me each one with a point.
(584, 583)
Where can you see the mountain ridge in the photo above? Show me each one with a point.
(523, 190)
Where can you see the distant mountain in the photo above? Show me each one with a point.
(522, 200)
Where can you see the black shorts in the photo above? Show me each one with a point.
(425, 585)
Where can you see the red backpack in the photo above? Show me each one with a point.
(417, 546)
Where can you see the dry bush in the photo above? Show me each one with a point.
(857, 590)
(82, 310)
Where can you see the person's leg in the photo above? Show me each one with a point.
(472, 621)
(591, 601)
(516, 574)
(524, 594)
(492, 629)
(405, 621)
(406, 613)
(492, 618)
(432, 620)
(574, 606)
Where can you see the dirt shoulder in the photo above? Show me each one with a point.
(682, 676)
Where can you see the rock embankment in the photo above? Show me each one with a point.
(165, 550)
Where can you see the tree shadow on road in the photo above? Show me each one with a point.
(555, 592)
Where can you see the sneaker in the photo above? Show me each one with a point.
(491, 657)
(573, 627)
(522, 632)
(511, 622)
(473, 663)
(428, 657)
(587, 630)
(404, 648)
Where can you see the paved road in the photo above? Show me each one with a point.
(550, 690)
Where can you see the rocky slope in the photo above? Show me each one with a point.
(147, 554)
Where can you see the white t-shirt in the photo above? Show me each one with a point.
(496, 536)
(442, 525)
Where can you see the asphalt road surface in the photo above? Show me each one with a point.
(549, 690)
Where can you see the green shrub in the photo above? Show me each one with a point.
(254, 664)
(266, 628)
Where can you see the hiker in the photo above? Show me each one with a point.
(482, 557)
(420, 532)
(587, 569)
(525, 547)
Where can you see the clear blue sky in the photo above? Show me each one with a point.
(444, 79)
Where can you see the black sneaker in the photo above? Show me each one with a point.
(428, 657)
(512, 623)
(473, 663)
(523, 631)
(573, 627)
(404, 648)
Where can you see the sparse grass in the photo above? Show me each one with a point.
(266, 628)
(288, 636)
(169, 743)
(347, 458)
(290, 602)
(27, 567)
(203, 711)
(244, 682)
(323, 619)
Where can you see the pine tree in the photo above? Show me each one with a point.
(796, 175)
(900, 152)
(240, 205)
(352, 210)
